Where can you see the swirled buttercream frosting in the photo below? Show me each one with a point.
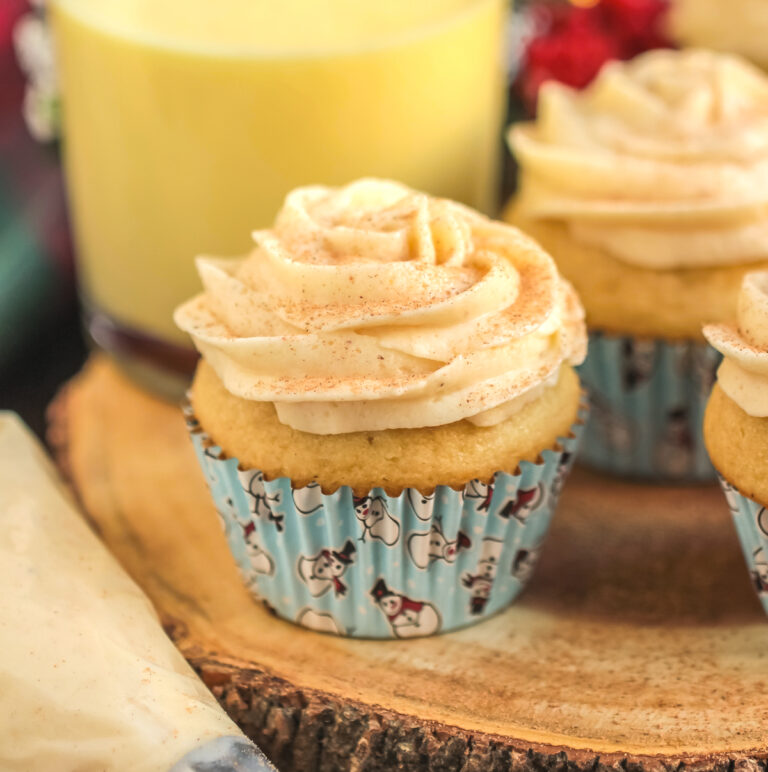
(743, 375)
(662, 162)
(375, 307)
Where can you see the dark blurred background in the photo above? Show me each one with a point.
(40, 340)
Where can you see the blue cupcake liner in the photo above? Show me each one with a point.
(648, 400)
(751, 521)
(381, 566)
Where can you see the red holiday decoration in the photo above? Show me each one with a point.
(639, 24)
(574, 43)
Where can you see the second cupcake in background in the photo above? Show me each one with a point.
(736, 423)
(385, 409)
(650, 190)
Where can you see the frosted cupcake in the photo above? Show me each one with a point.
(736, 423)
(385, 408)
(741, 28)
(650, 189)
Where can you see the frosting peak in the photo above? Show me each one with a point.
(743, 376)
(662, 161)
(376, 307)
(372, 254)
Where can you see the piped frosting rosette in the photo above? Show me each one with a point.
(662, 162)
(743, 375)
(375, 307)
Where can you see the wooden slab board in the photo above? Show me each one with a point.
(639, 644)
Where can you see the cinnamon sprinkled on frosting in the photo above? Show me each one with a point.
(376, 307)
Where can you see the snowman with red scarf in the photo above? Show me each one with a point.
(480, 491)
(323, 572)
(261, 561)
(260, 503)
(433, 545)
(406, 617)
(525, 502)
(480, 583)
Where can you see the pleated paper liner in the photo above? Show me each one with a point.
(648, 401)
(381, 566)
(751, 521)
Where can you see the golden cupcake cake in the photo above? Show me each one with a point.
(736, 422)
(650, 189)
(385, 408)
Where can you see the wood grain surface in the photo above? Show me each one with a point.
(639, 644)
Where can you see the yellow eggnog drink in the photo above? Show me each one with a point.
(187, 121)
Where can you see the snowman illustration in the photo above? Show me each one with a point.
(732, 497)
(615, 429)
(407, 618)
(421, 503)
(210, 468)
(637, 362)
(430, 546)
(227, 515)
(309, 499)
(372, 512)
(479, 491)
(524, 563)
(525, 502)
(480, 583)
(320, 621)
(759, 571)
(559, 480)
(762, 520)
(674, 453)
(323, 572)
(261, 561)
(260, 502)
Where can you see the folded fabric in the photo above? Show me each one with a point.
(88, 678)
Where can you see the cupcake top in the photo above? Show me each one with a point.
(662, 162)
(740, 27)
(375, 307)
(743, 375)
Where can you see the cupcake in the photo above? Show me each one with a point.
(740, 29)
(736, 422)
(650, 189)
(385, 408)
